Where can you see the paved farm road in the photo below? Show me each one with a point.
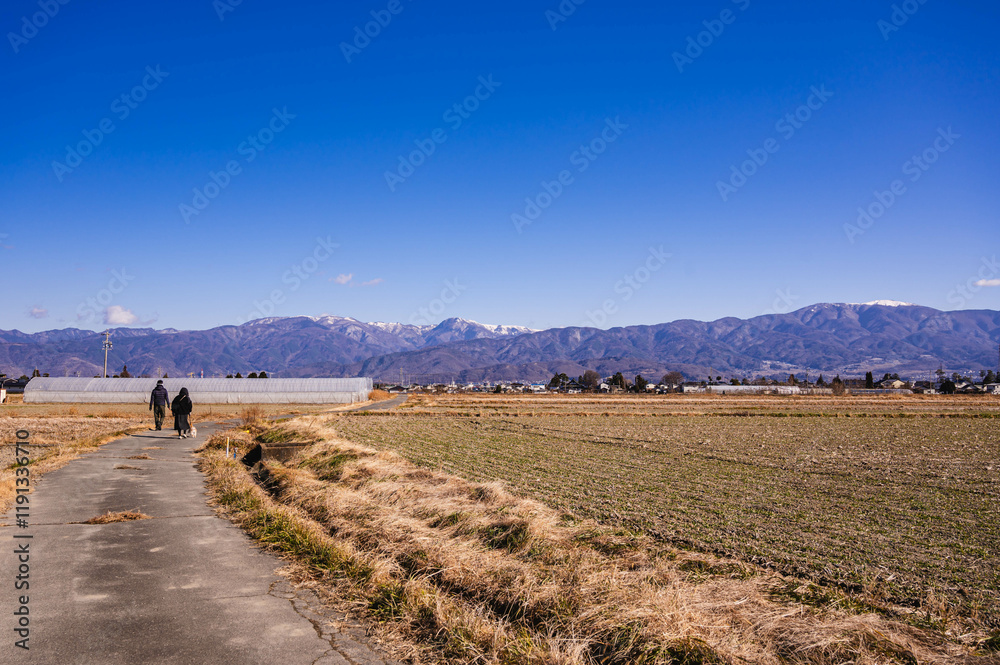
(381, 406)
(184, 587)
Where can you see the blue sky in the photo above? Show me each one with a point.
(609, 128)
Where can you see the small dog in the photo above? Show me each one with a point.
(193, 432)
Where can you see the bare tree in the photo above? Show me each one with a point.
(591, 379)
(674, 378)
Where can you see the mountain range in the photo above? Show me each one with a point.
(846, 339)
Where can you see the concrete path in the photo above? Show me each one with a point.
(184, 587)
(380, 406)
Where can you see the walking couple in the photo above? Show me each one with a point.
(181, 408)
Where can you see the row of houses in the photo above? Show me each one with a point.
(888, 387)
(725, 389)
(966, 388)
(485, 387)
(605, 387)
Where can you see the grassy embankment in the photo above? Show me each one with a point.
(451, 569)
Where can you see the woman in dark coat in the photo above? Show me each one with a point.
(181, 408)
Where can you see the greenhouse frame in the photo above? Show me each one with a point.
(42, 390)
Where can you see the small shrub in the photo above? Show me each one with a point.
(252, 416)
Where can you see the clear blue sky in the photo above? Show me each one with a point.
(778, 239)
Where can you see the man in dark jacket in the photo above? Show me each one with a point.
(158, 401)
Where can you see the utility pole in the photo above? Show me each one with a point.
(107, 347)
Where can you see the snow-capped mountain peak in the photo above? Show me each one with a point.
(410, 335)
(886, 303)
(496, 329)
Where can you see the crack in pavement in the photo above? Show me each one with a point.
(345, 648)
(250, 595)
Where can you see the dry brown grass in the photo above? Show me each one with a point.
(378, 395)
(252, 416)
(142, 456)
(127, 467)
(120, 516)
(697, 405)
(458, 571)
(55, 441)
(240, 439)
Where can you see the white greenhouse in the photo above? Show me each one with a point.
(203, 391)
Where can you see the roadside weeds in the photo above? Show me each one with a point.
(56, 456)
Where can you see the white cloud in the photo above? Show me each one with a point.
(38, 313)
(348, 280)
(119, 316)
(988, 282)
